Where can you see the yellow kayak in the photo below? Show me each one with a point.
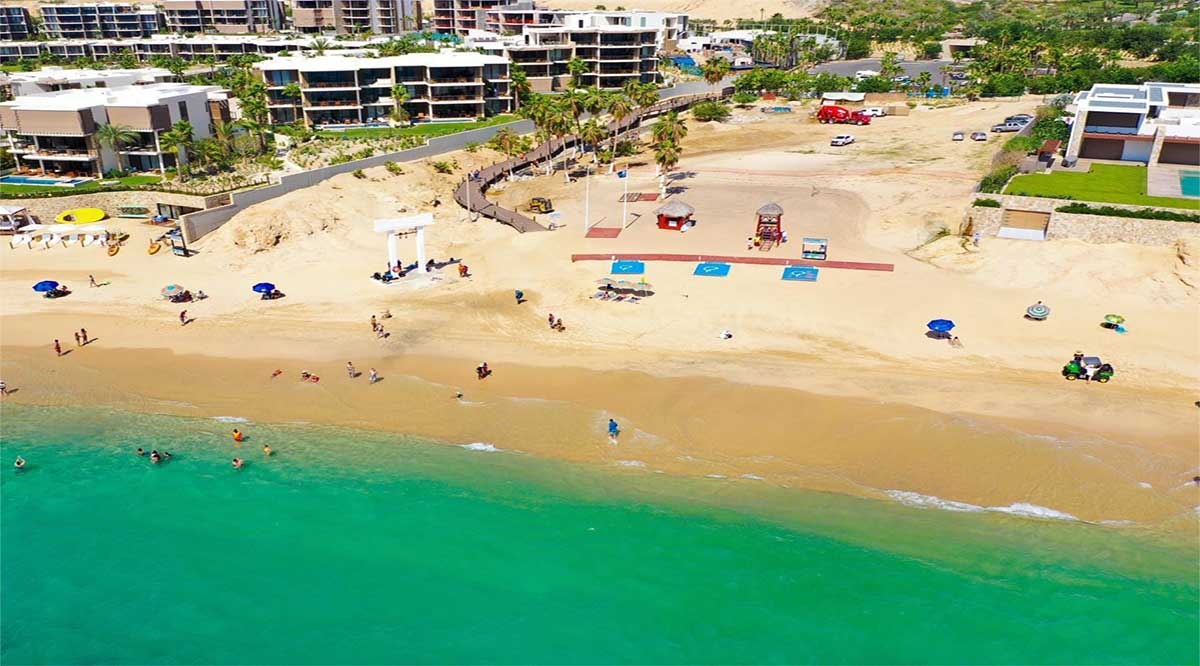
(80, 216)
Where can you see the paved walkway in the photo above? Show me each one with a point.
(760, 261)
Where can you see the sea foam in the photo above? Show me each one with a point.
(631, 463)
(1024, 509)
(231, 419)
(481, 446)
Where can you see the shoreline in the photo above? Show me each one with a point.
(684, 424)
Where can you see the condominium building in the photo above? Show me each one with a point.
(347, 91)
(219, 47)
(514, 19)
(614, 56)
(15, 24)
(53, 79)
(108, 20)
(456, 17)
(1151, 123)
(381, 17)
(55, 133)
(11, 52)
(223, 16)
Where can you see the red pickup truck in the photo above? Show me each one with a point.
(837, 114)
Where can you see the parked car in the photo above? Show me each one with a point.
(865, 74)
(875, 111)
(1008, 127)
(838, 114)
(957, 136)
(979, 136)
(1023, 118)
(842, 140)
(903, 78)
(958, 76)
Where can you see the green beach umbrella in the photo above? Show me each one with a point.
(1114, 319)
(1037, 311)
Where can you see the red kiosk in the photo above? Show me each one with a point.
(675, 215)
(769, 230)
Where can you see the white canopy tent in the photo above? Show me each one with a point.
(395, 227)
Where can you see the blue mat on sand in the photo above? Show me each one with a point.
(800, 273)
(711, 269)
(628, 267)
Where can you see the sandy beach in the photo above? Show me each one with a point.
(829, 385)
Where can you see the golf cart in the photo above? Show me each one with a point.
(540, 205)
(1087, 368)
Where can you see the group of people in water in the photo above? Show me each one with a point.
(155, 456)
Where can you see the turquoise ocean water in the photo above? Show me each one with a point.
(367, 548)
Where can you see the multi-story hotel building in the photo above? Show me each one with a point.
(381, 17)
(107, 20)
(614, 56)
(15, 24)
(340, 90)
(456, 17)
(219, 47)
(223, 16)
(55, 133)
(53, 79)
(515, 19)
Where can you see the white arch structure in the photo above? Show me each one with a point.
(395, 227)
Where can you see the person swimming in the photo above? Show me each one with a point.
(237, 463)
(267, 450)
(237, 435)
(19, 463)
(140, 451)
(154, 457)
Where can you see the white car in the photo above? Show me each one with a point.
(842, 140)
(958, 136)
(863, 74)
(875, 111)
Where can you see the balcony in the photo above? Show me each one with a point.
(1110, 129)
(461, 97)
(326, 85)
(62, 155)
(332, 103)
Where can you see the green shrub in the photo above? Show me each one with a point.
(626, 148)
(1142, 213)
(393, 168)
(744, 98)
(931, 50)
(359, 174)
(1022, 144)
(443, 167)
(994, 182)
(986, 203)
(708, 111)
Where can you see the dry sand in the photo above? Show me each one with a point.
(718, 10)
(829, 385)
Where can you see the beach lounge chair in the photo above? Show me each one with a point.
(20, 239)
(53, 239)
(71, 239)
(89, 240)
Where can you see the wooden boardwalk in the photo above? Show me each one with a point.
(760, 261)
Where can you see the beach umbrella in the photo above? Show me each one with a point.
(941, 325)
(1114, 319)
(45, 285)
(263, 288)
(605, 281)
(171, 290)
(1037, 311)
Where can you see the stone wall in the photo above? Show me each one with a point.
(48, 208)
(1090, 228)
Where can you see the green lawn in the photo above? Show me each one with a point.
(425, 130)
(90, 186)
(1109, 183)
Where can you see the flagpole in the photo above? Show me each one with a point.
(625, 197)
(587, 200)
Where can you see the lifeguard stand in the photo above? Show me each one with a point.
(769, 230)
(675, 215)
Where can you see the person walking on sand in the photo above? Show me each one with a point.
(374, 324)
(77, 343)
(350, 370)
(372, 376)
(183, 318)
(83, 334)
(92, 281)
(550, 320)
(520, 296)
(57, 348)
(3, 388)
(613, 430)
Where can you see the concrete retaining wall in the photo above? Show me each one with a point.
(197, 225)
(48, 208)
(1090, 228)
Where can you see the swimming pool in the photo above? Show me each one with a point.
(335, 128)
(35, 180)
(1189, 183)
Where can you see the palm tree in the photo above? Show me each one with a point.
(399, 97)
(924, 79)
(576, 68)
(291, 91)
(670, 127)
(254, 118)
(116, 137)
(889, 66)
(592, 133)
(594, 99)
(643, 94)
(714, 70)
(178, 140)
(507, 142)
(666, 156)
(207, 151)
(619, 107)
(320, 45)
(519, 82)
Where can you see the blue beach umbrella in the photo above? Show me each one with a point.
(263, 288)
(941, 325)
(45, 285)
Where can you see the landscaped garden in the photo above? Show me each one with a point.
(91, 186)
(1109, 183)
(422, 130)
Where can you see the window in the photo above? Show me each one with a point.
(183, 114)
